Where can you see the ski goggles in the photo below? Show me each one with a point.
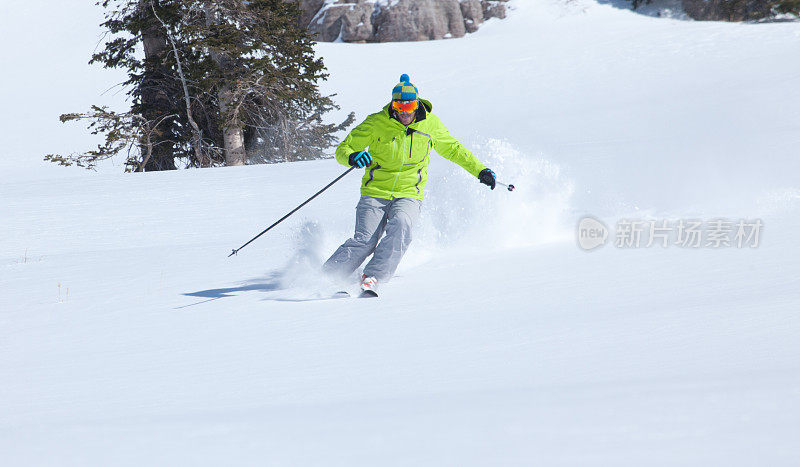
(405, 107)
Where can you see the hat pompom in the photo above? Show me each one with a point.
(404, 78)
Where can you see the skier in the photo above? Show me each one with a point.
(394, 145)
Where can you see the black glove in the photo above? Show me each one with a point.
(360, 159)
(487, 178)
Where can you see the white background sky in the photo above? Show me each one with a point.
(62, 36)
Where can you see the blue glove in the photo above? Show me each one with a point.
(360, 159)
(487, 178)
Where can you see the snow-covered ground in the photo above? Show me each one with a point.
(128, 337)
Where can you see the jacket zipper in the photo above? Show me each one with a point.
(401, 163)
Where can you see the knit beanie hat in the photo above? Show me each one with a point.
(404, 90)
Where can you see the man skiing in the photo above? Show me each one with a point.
(394, 145)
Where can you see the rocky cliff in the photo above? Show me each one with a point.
(396, 20)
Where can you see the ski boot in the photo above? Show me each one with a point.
(369, 286)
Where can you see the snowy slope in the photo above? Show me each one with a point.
(127, 337)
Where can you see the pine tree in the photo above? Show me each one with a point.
(791, 7)
(221, 82)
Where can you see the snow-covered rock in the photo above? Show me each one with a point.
(397, 20)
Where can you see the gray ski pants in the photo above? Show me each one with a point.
(374, 216)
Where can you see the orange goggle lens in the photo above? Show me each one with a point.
(405, 106)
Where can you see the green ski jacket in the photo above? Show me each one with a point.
(400, 155)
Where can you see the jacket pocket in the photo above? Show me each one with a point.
(420, 148)
(372, 174)
(381, 150)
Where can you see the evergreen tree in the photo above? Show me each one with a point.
(788, 6)
(221, 82)
(744, 10)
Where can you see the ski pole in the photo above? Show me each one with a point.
(509, 186)
(293, 211)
